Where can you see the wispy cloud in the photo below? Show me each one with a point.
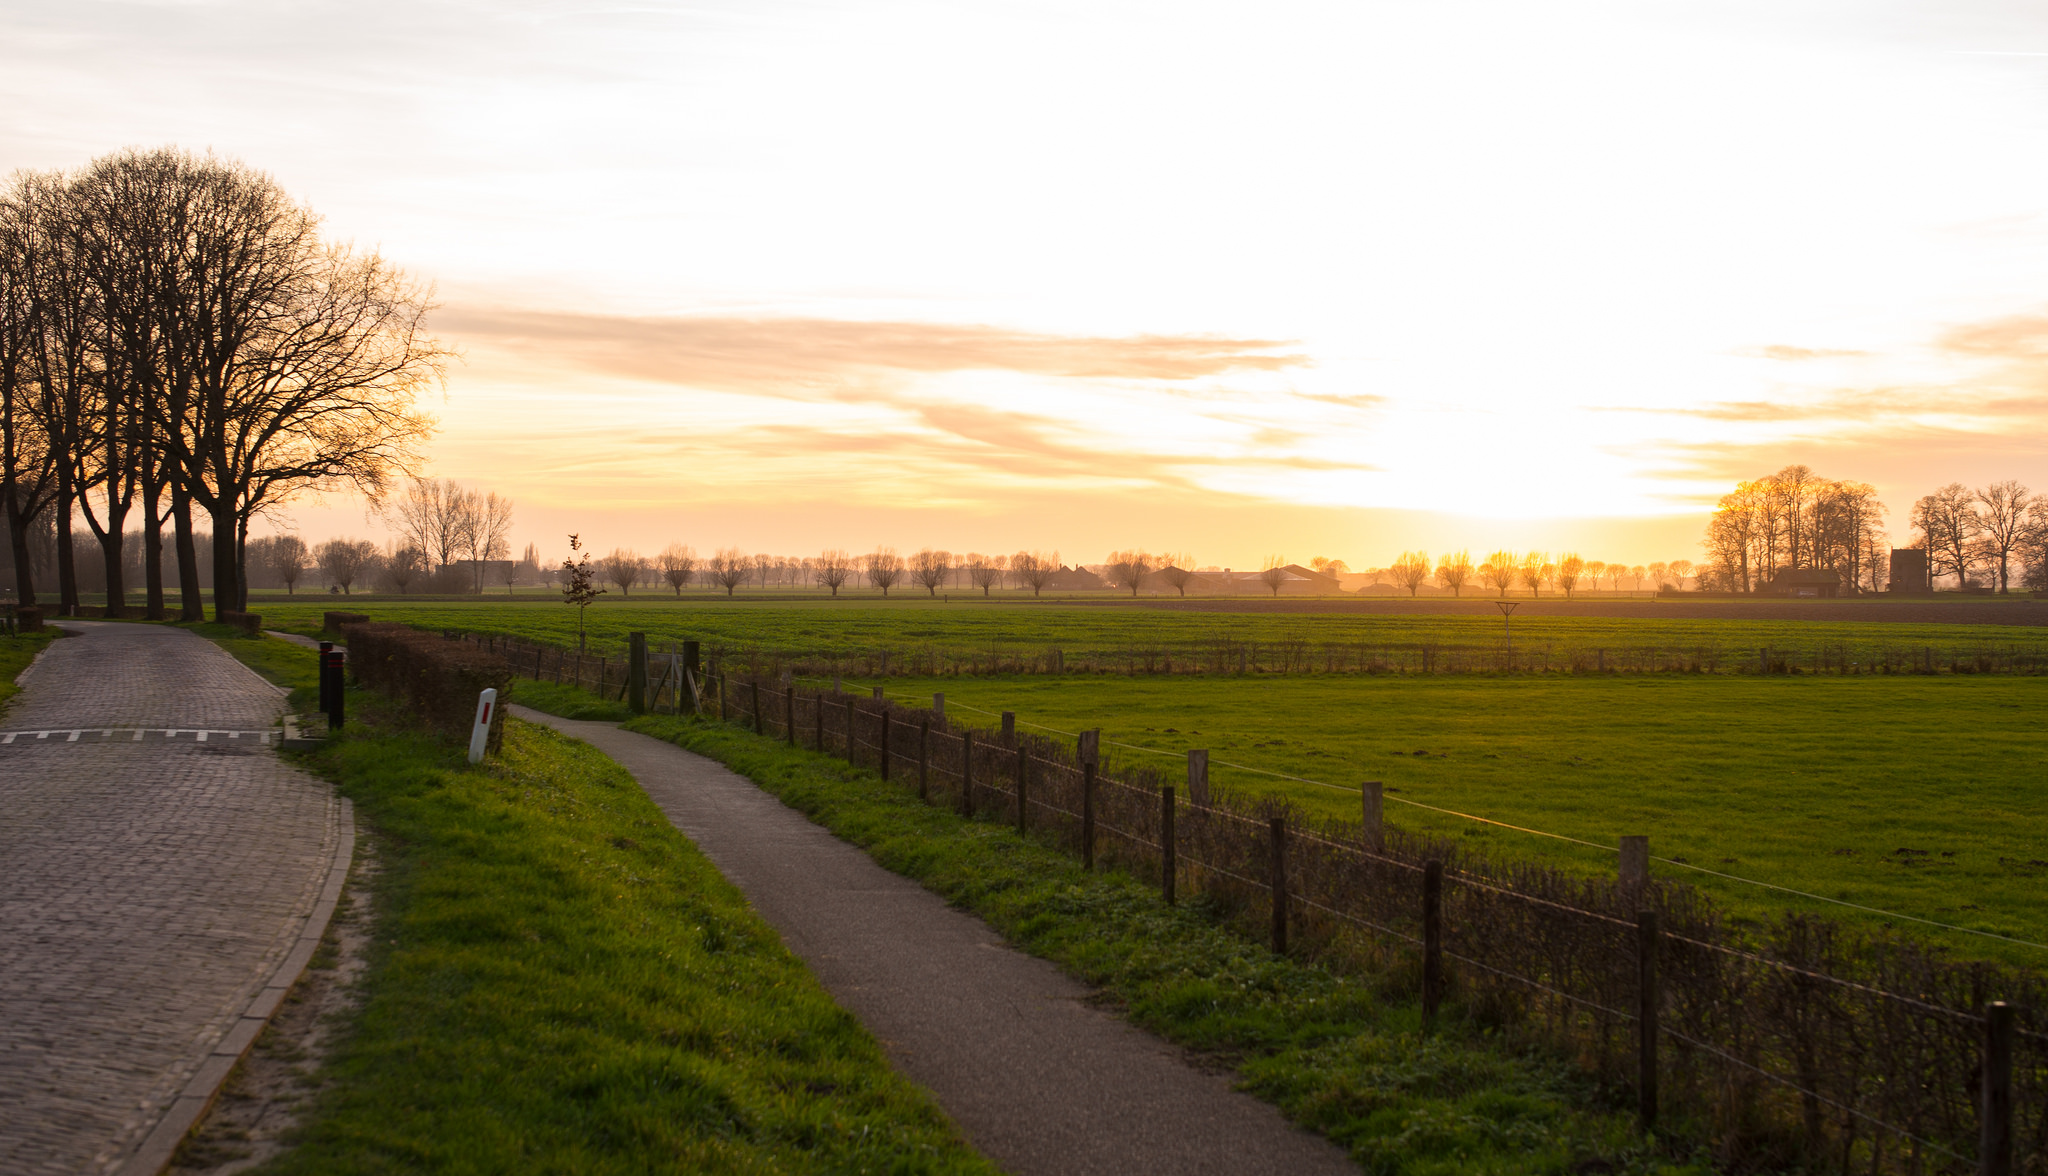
(768, 355)
(1787, 352)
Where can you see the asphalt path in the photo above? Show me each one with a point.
(1037, 1078)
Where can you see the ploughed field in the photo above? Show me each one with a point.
(1921, 794)
(916, 634)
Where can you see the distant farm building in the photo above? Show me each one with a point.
(1909, 571)
(1075, 579)
(1805, 582)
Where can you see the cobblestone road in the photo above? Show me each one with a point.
(150, 882)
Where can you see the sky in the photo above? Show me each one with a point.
(1236, 281)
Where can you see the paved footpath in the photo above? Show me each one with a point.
(1038, 1079)
(158, 866)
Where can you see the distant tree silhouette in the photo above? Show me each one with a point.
(834, 568)
(1035, 569)
(1128, 569)
(623, 567)
(1411, 571)
(1274, 573)
(928, 568)
(1569, 568)
(344, 561)
(678, 562)
(1454, 570)
(1501, 569)
(729, 568)
(884, 567)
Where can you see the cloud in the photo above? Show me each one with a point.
(1785, 351)
(2021, 337)
(785, 355)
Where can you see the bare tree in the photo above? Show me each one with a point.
(834, 568)
(1035, 569)
(579, 585)
(1454, 570)
(1411, 570)
(1501, 569)
(884, 567)
(1595, 568)
(403, 566)
(288, 556)
(1656, 569)
(678, 563)
(344, 561)
(1128, 569)
(433, 518)
(1636, 573)
(2008, 512)
(928, 568)
(1531, 571)
(484, 531)
(1180, 570)
(1681, 570)
(1949, 526)
(623, 567)
(1569, 569)
(729, 568)
(982, 572)
(1274, 573)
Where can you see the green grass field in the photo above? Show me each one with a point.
(1918, 795)
(1913, 794)
(1116, 637)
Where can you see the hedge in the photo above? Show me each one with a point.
(438, 678)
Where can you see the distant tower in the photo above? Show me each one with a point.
(1909, 571)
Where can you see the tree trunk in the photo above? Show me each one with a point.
(110, 554)
(152, 552)
(67, 571)
(226, 593)
(189, 605)
(17, 536)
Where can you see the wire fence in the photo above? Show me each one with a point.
(1797, 1043)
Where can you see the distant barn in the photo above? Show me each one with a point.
(1805, 582)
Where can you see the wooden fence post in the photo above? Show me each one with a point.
(1009, 728)
(1374, 827)
(924, 737)
(818, 744)
(884, 753)
(1198, 778)
(878, 691)
(326, 647)
(690, 670)
(1432, 939)
(967, 773)
(1279, 885)
(1994, 1124)
(757, 707)
(1088, 814)
(636, 673)
(850, 712)
(939, 707)
(1648, 1003)
(1634, 873)
(1089, 747)
(1023, 787)
(1168, 864)
(789, 712)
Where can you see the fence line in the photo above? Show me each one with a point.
(1875, 1026)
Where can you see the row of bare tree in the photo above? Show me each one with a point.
(1535, 571)
(1795, 520)
(178, 344)
(1992, 529)
(731, 567)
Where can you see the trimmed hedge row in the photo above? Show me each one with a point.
(438, 678)
(332, 622)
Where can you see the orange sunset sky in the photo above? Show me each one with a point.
(1334, 279)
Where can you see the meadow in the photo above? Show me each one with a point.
(866, 636)
(1916, 794)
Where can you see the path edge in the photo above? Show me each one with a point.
(154, 1154)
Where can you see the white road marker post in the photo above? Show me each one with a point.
(480, 734)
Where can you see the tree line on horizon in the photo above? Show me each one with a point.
(1795, 520)
(179, 345)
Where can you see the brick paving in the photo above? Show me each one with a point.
(150, 882)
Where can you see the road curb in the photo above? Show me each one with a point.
(157, 1148)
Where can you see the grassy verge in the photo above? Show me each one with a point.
(1336, 1054)
(561, 982)
(15, 654)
